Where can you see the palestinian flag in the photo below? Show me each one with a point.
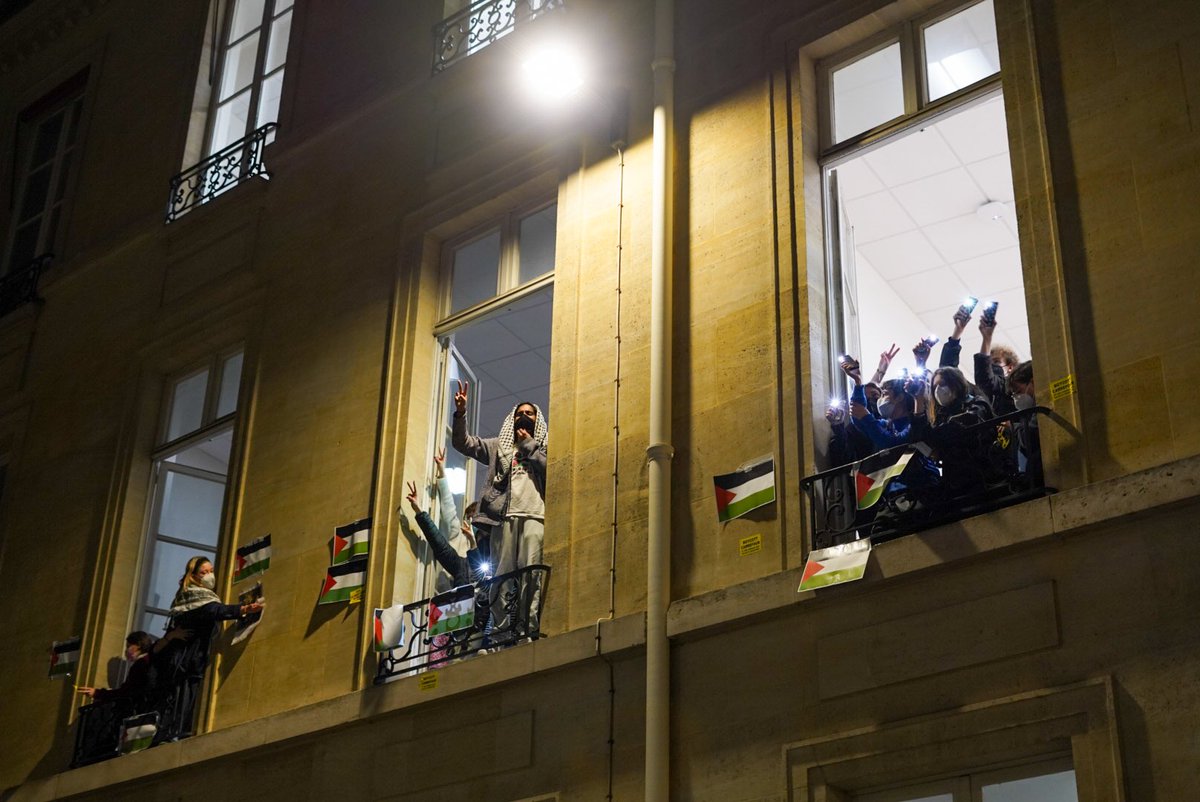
(253, 558)
(64, 657)
(137, 732)
(352, 541)
(389, 628)
(869, 487)
(342, 580)
(452, 611)
(835, 565)
(748, 488)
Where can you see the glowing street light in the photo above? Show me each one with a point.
(554, 72)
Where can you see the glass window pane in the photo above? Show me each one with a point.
(537, 243)
(211, 455)
(239, 66)
(230, 124)
(187, 405)
(231, 378)
(961, 50)
(153, 623)
(1058, 787)
(47, 139)
(867, 92)
(168, 563)
(63, 171)
(278, 45)
(191, 508)
(476, 267)
(75, 110)
(268, 102)
(247, 16)
(37, 188)
(283, 5)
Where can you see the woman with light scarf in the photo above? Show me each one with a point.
(195, 612)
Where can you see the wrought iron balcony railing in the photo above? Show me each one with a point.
(219, 172)
(98, 731)
(502, 617)
(480, 24)
(20, 287)
(953, 474)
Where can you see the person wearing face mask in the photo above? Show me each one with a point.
(139, 647)
(1024, 395)
(993, 365)
(512, 509)
(896, 423)
(954, 401)
(196, 613)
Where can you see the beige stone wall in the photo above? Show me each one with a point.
(329, 274)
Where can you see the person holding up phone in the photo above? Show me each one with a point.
(994, 364)
(952, 349)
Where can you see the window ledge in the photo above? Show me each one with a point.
(1067, 513)
(547, 654)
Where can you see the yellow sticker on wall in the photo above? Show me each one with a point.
(428, 681)
(1062, 387)
(356, 595)
(749, 545)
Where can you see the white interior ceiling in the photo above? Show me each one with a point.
(920, 240)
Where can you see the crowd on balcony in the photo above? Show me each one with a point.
(948, 436)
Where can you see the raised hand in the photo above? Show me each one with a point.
(460, 398)
(835, 414)
(885, 362)
(921, 352)
(961, 318)
(439, 461)
(851, 368)
(412, 496)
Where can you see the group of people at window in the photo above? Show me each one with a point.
(501, 532)
(941, 413)
(164, 674)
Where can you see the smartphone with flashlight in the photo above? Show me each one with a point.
(931, 340)
(989, 313)
(968, 306)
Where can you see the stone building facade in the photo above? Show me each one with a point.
(1058, 631)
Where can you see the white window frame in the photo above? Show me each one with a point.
(969, 787)
(918, 111)
(210, 426)
(256, 82)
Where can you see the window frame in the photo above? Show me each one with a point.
(269, 16)
(209, 421)
(69, 99)
(910, 35)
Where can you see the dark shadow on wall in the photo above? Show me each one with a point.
(683, 530)
(1081, 321)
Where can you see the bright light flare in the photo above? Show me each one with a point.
(457, 479)
(553, 73)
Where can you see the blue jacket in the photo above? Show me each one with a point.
(882, 433)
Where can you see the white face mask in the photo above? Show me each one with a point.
(1023, 401)
(209, 581)
(886, 407)
(944, 395)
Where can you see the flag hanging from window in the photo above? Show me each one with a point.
(64, 657)
(835, 565)
(748, 488)
(452, 611)
(342, 582)
(389, 628)
(253, 558)
(869, 487)
(352, 541)
(137, 732)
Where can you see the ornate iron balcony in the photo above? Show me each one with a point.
(501, 618)
(221, 171)
(953, 474)
(20, 286)
(480, 24)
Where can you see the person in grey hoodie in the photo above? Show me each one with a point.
(512, 507)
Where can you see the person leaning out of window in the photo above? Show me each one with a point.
(196, 613)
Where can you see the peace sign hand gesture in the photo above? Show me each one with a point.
(412, 496)
(460, 398)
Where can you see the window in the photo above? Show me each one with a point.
(918, 184)
(495, 331)
(191, 467)
(1045, 781)
(249, 70)
(47, 139)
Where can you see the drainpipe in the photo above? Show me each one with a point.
(660, 451)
